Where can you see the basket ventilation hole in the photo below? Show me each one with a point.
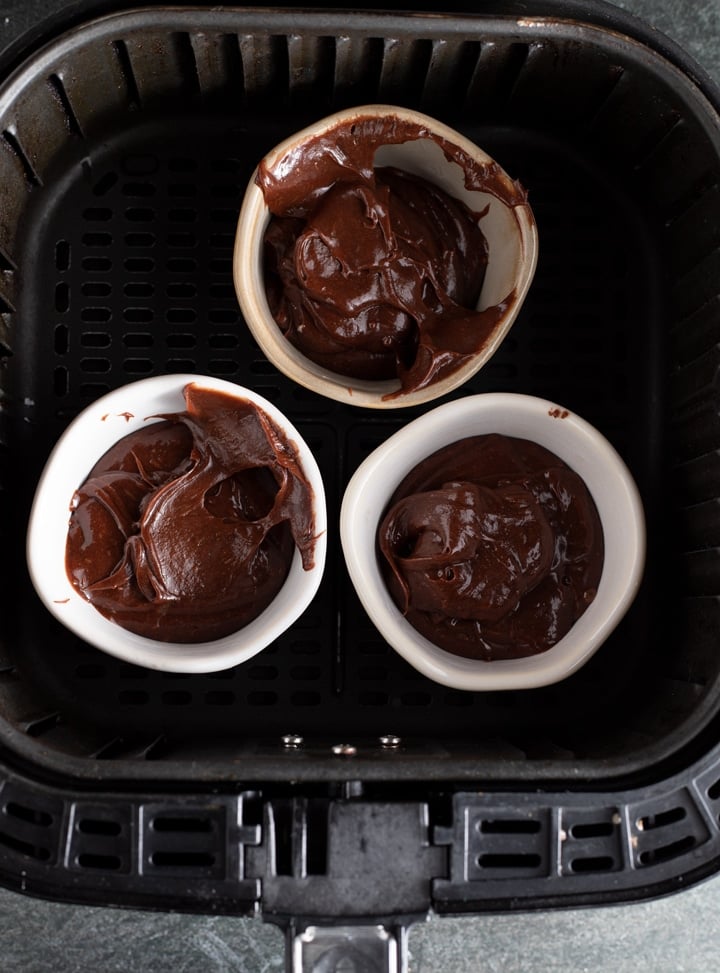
(663, 853)
(305, 698)
(419, 698)
(30, 815)
(262, 673)
(90, 670)
(598, 829)
(219, 697)
(108, 863)
(58, 90)
(140, 214)
(176, 697)
(133, 697)
(138, 265)
(24, 847)
(62, 255)
(97, 214)
(96, 239)
(601, 863)
(105, 183)
(62, 297)
(305, 672)
(96, 289)
(509, 860)
(42, 725)
(16, 148)
(97, 264)
(97, 826)
(509, 826)
(662, 819)
(182, 859)
(6, 264)
(373, 699)
(121, 52)
(61, 339)
(61, 382)
(182, 825)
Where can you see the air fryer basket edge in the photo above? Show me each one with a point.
(634, 815)
(30, 154)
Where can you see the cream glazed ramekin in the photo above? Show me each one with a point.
(510, 231)
(571, 438)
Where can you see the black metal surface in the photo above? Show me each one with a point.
(133, 258)
(124, 156)
(123, 270)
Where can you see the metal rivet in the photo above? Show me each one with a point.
(344, 750)
(390, 742)
(291, 741)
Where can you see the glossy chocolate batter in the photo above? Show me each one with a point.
(492, 547)
(184, 531)
(376, 273)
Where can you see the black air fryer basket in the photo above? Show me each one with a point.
(326, 783)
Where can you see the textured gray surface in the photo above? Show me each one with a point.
(693, 25)
(679, 934)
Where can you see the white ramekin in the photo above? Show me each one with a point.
(571, 438)
(512, 256)
(85, 440)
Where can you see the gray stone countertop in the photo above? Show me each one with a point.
(677, 934)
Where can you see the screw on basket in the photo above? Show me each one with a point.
(390, 742)
(291, 741)
(344, 750)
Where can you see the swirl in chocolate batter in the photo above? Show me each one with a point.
(376, 273)
(184, 531)
(492, 548)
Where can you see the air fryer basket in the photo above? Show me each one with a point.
(126, 146)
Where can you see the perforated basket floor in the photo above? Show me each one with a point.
(140, 283)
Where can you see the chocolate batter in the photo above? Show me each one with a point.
(376, 273)
(492, 547)
(185, 529)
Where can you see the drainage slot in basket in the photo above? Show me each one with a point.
(182, 825)
(13, 144)
(97, 239)
(97, 214)
(509, 860)
(219, 697)
(600, 863)
(182, 859)
(662, 819)
(42, 725)
(595, 829)
(663, 853)
(509, 826)
(133, 697)
(31, 815)
(62, 255)
(108, 863)
(105, 183)
(138, 339)
(62, 297)
(126, 68)
(24, 847)
(99, 827)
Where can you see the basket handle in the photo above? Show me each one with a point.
(347, 949)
